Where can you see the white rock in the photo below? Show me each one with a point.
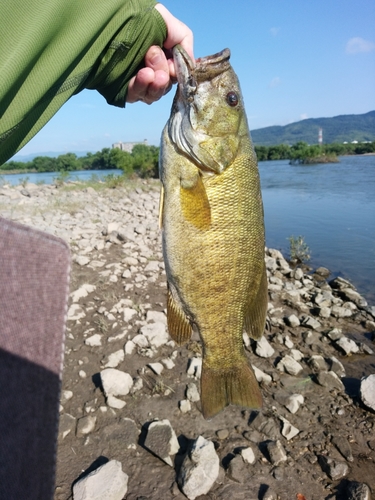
(288, 430)
(82, 374)
(296, 354)
(156, 317)
(168, 363)
(75, 312)
(152, 266)
(367, 391)
(115, 358)
(248, 455)
(292, 321)
(82, 292)
(199, 470)
(195, 368)
(116, 382)
(129, 313)
(131, 261)
(129, 347)
(156, 368)
(108, 482)
(261, 376)
(294, 402)
(116, 403)
(155, 333)
(94, 341)
(192, 392)
(347, 345)
(140, 341)
(184, 405)
(289, 365)
(81, 260)
(85, 425)
(264, 348)
(288, 343)
(161, 439)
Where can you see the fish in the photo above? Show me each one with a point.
(211, 215)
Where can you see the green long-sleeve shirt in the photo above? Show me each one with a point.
(52, 49)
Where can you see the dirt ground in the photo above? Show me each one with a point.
(325, 413)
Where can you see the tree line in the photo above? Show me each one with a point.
(143, 160)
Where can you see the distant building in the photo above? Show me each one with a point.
(320, 136)
(127, 146)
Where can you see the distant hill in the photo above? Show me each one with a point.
(337, 129)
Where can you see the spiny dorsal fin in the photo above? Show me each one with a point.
(178, 325)
(256, 311)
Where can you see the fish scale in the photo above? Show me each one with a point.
(213, 232)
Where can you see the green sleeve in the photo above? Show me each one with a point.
(52, 49)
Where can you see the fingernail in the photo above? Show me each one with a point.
(156, 59)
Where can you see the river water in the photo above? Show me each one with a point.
(332, 206)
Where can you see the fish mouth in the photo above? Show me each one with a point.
(190, 74)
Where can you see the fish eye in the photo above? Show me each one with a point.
(232, 99)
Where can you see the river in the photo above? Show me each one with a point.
(332, 206)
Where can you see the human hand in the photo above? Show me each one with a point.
(156, 78)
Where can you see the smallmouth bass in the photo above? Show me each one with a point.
(212, 228)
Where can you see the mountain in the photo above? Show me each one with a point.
(336, 129)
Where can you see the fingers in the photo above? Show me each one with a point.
(151, 82)
(156, 78)
(177, 33)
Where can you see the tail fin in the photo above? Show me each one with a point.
(220, 388)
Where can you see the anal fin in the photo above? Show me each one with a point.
(178, 325)
(221, 387)
(256, 312)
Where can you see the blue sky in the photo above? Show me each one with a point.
(295, 59)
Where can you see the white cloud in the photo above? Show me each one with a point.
(358, 44)
(275, 82)
(303, 116)
(274, 31)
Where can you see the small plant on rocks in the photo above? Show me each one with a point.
(298, 249)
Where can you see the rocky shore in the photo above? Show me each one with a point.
(130, 425)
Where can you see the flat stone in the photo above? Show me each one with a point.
(276, 452)
(107, 482)
(157, 368)
(367, 391)
(162, 441)
(222, 434)
(330, 380)
(334, 469)
(289, 365)
(85, 425)
(263, 348)
(184, 405)
(294, 402)
(311, 322)
(129, 313)
(114, 359)
(155, 333)
(82, 292)
(115, 403)
(199, 470)
(288, 430)
(94, 341)
(337, 366)
(343, 445)
(75, 312)
(192, 392)
(317, 363)
(156, 317)
(115, 382)
(292, 321)
(248, 455)
(261, 376)
(348, 346)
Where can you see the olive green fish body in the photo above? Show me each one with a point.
(213, 244)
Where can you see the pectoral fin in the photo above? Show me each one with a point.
(195, 205)
(255, 315)
(178, 325)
